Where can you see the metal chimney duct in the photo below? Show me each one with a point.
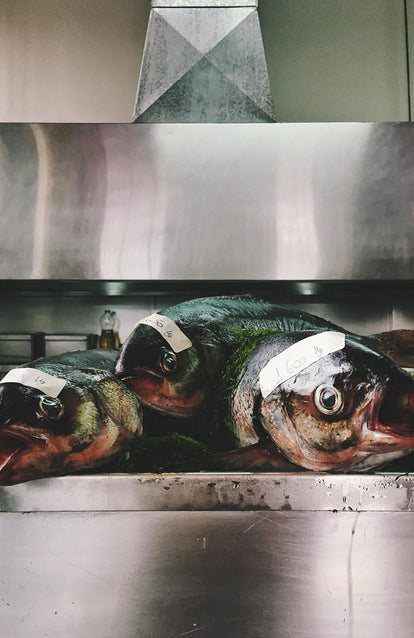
(204, 62)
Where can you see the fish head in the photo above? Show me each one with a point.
(352, 409)
(171, 383)
(81, 428)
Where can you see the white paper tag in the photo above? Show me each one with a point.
(35, 379)
(169, 331)
(296, 358)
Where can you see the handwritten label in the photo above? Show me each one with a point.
(169, 331)
(296, 358)
(35, 379)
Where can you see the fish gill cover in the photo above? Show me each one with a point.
(217, 413)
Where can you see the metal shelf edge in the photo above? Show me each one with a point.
(213, 492)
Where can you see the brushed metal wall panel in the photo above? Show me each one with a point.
(19, 192)
(165, 202)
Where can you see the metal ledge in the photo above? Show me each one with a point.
(322, 289)
(213, 492)
(215, 4)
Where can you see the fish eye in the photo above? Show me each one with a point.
(328, 399)
(168, 360)
(51, 408)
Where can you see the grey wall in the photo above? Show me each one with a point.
(70, 60)
(78, 60)
(331, 60)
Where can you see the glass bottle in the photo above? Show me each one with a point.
(107, 338)
(116, 330)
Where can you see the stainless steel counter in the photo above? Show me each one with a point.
(214, 555)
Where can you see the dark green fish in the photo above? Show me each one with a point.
(83, 427)
(177, 384)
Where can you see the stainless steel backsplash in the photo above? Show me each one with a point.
(201, 202)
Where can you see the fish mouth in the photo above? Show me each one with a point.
(395, 414)
(10, 447)
(155, 392)
(390, 426)
(13, 445)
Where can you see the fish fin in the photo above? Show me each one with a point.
(262, 456)
(397, 344)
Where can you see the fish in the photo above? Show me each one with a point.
(349, 410)
(78, 423)
(177, 384)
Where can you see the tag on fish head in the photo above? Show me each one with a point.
(330, 403)
(77, 421)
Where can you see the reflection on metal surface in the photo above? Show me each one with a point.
(42, 210)
(215, 574)
(207, 202)
(204, 62)
(297, 492)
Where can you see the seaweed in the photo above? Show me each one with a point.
(158, 453)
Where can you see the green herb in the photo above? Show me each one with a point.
(245, 341)
(215, 428)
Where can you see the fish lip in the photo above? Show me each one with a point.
(22, 440)
(23, 434)
(181, 414)
(16, 449)
(377, 441)
(138, 374)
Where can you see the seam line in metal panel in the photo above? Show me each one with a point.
(407, 52)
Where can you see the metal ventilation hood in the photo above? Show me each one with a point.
(204, 62)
